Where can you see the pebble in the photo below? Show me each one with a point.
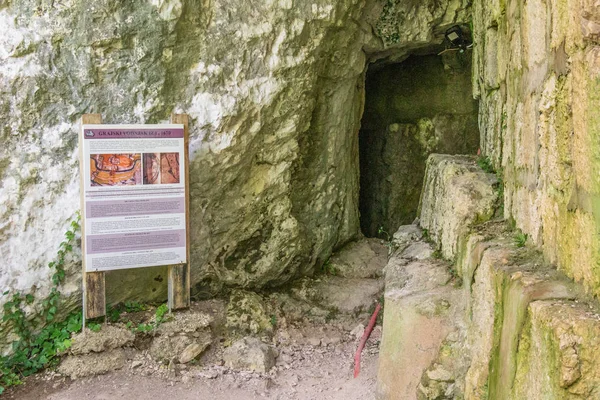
(211, 374)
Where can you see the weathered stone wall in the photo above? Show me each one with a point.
(558, 352)
(422, 105)
(274, 90)
(523, 330)
(537, 74)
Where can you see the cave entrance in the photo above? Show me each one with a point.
(420, 106)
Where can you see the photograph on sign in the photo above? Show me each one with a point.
(115, 169)
(134, 196)
(161, 168)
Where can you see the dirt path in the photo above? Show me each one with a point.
(313, 372)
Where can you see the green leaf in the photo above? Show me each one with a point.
(74, 326)
(160, 312)
(65, 345)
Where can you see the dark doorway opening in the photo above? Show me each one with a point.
(421, 106)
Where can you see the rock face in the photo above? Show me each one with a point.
(537, 69)
(192, 351)
(457, 194)
(504, 282)
(349, 295)
(275, 93)
(363, 258)
(247, 313)
(558, 357)
(183, 337)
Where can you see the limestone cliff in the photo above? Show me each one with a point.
(274, 90)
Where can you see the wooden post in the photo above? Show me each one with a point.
(94, 290)
(179, 275)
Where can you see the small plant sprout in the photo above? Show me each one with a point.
(161, 314)
(520, 239)
(329, 269)
(113, 313)
(94, 327)
(144, 328)
(388, 238)
(485, 164)
(383, 232)
(134, 306)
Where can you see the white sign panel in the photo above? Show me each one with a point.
(134, 196)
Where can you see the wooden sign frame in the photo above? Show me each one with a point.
(94, 283)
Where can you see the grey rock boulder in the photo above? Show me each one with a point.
(250, 354)
(192, 351)
(363, 258)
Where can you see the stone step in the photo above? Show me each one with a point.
(456, 195)
(421, 310)
(463, 333)
(500, 280)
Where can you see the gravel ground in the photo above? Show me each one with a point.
(315, 362)
(315, 348)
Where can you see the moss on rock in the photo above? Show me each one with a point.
(248, 314)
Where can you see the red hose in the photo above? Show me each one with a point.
(364, 339)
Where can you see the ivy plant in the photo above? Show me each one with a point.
(41, 338)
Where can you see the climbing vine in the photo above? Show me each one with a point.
(40, 339)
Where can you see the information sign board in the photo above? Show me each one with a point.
(134, 196)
